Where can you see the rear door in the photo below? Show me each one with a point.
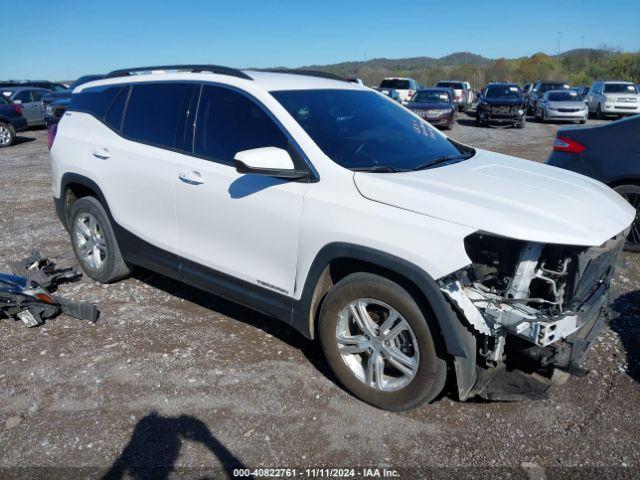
(131, 155)
(230, 224)
(30, 109)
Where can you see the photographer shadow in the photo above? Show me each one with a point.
(155, 446)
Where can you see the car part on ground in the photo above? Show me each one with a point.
(501, 103)
(27, 294)
(379, 245)
(609, 153)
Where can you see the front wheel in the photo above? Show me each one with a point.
(631, 193)
(380, 344)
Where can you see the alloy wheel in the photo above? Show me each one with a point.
(5, 135)
(90, 241)
(634, 234)
(377, 344)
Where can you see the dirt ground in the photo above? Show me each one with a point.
(188, 383)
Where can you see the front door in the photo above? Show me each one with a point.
(230, 225)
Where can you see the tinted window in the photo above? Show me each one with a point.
(545, 87)
(228, 123)
(38, 94)
(24, 96)
(454, 85)
(113, 118)
(396, 84)
(503, 91)
(154, 112)
(620, 88)
(432, 96)
(568, 96)
(363, 130)
(95, 100)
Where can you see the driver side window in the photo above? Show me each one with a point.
(229, 122)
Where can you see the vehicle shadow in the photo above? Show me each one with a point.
(624, 322)
(282, 331)
(19, 140)
(467, 122)
(249, 184)
(155, 444)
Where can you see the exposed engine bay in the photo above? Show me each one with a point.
(533, 300)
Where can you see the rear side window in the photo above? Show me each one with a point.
(113, 118)
(229, 122)
(95, 100)
(454, 85)
(154, 112)
(396, 84)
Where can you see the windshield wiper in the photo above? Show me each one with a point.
(378, 169)
(444, 159)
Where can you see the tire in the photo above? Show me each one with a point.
(582, 122)
(7, 135)
(631, 193)
(599, 114)
(428, 367)
(520, 124)
(99, 238)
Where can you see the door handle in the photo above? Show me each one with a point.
(101, 153)
(192, 178)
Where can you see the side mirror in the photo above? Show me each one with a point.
(269, 161)
(17, 102)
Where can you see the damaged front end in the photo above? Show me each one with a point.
(534, 309)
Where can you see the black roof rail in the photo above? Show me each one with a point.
(191, 68)
(309, 73)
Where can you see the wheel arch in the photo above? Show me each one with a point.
(336, 260)
(74, 186)
(624, 181)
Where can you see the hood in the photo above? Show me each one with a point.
(507, 196)
(503, 101)
(429, 106)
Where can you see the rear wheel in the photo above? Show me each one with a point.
(631, 193)
(380, 344)
(7, 135)
(94, 243)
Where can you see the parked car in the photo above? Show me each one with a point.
(565, 105)
(460, 93)
(11, 121)
(53, 111)
(582, 91)
(470, 95)
(613, 98)
(53, 86)
(54, 96)
(501, 103)
(413, 252)
(589, 151)
(405, 87)
(526, 91)
(30, 99)
(538, 90)
(435, 105)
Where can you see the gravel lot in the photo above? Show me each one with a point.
(170, 377)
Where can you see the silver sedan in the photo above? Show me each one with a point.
(565, 105)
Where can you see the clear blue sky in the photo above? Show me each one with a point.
(63, 39)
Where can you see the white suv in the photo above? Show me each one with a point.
(613, 98)
(330, 207)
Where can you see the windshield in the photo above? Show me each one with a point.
(454, 85)
(396, 84)
(545, 87)
(363, 130)
(503, 91)
(620, 88)
(431, 96)
(568, 96)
